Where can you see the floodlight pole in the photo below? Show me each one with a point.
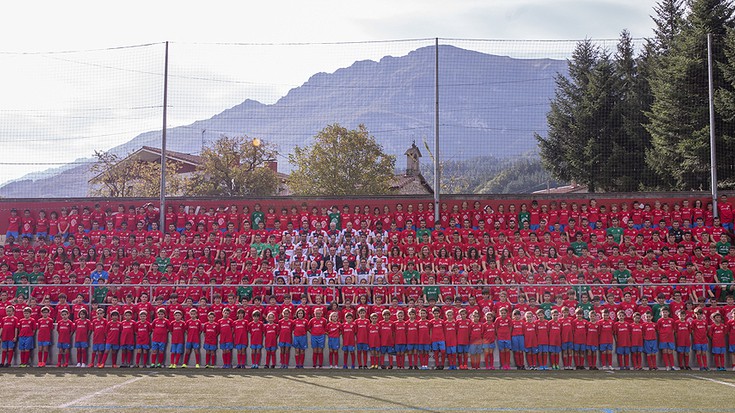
(712, 148)
(162, 210)
(437, 172)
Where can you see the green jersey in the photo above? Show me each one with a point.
(162, 263)
(616, 232)
(335, 217)
(256, 218)
(656, 310)
(431, 292)
(18, 274)
(100, 294)
(245, 292)
(578, 246)
(523, 217)
(408, 275)
(587, 308)
(547, 307)
(622, 276)
(723, 248)
(724, 276)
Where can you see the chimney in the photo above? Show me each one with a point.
(273, 165)
(412, 160)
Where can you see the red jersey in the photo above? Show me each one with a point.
(700, 331)
(529, 334)
(300, 327)
(622, 332)
(437, 330)
(257, 331)
(9, 328)
(476, 331)
(318, 326)
(542, 332)
(593, 334)
(362, 327)
(423, 328)
(143, 331)
(400, 331)
(665, 327)
(178, 328)
(161, 327)
(285, 331)
(554, 330)
(373, 335)
(112, 332)
(607, 330)
(225, 330)
(240, 329)
(211, 331)
(636, 334)
(463, 332)
(348, 334)
(127, 332)
(579, 334)
(649, 331)
(717, 333)
(26, 327)
(567, 329)
(683, 330)
(64, 330)
(81, 330)
(386, 333)
(503, 328)
(45, 327)
(270, 335)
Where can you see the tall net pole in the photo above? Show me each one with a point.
(437, 171)
(162, 211)
(712, 147)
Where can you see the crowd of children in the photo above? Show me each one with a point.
(554, 284)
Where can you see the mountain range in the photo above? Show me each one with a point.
(488, 105)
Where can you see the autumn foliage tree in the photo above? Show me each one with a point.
(235, 166)
(341, 161)
(120, 177)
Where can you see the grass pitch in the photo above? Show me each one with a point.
(74, 390)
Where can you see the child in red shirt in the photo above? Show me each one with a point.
(82, 329)
(650, 341)
(530, 340)
(567, 337)
(64, 330)
(374, 340)
(362, 343)
(717, 332)
(44, 328)
(348, 339)
(412, 339)
(178, 328)
(26, 332)
(226, 337)
(579, 338)
(665, 328)
(387, 340)
(438, 342)
(400, 334)
(683, 330)
(143, 329)
(160, 328)
(300, 328)
(606, 327)
(285, 337)
(621, 332)
(423, 331)
(542, 340)
(636, 342)
(9, 335)
(112, 339)
(318, 330)
(240, 329)
(270, 333)
(334, 331)
(504, 335)
(475, 347)
(731, 334)
(127, 339)
(256, 329)
(554, 327)
(463, 338)
(193, 336)
(211, 331)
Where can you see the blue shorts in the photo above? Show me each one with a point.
(731, 348)
(579, 347)
(532, 350)
(348, 349)
(682, 349)
(333, 343)
(362, 347)
(41, 234)
(554, 349)
(26, 343)
(98, 347)
(650, 346)
(504, 345)
(375, 349)
(273, 348)
(177, 348)
(81, 344)
(387, 350)
(488, 346)
(700, 347)
(411, 347)
(142, 346)
(567, 345)
(438, 346)
(128, 347)
(158, 346)
(592, 348)
(13, 233)
(718, 350)
(8, 345)
(475, 348)
(451, 349)
(463, 348)
(192, 346)
(210, 347)
(256, 347)
(299, 342)
(318, 341)
(226, 346)
(543, 348)
(606, 347)
(622, 350)
(518, 343)
(113, 347)
(241, 346)
(282, 344)
(401, 348)
(666, 346)
(63, 346)
(48, 343)
(636, 349)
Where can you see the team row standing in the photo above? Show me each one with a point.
(377, 340)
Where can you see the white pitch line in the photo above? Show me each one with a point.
(103, 391)
(712, 380)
